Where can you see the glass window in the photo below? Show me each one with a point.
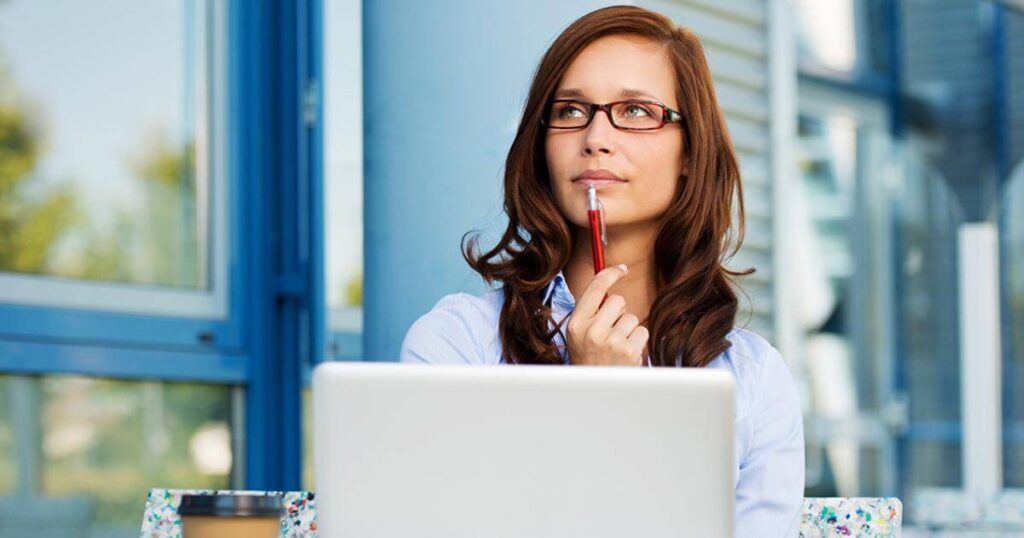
(947, 70)
(308, 484)
(876, 240)
(933, 464)
(7, 465)
(903, 251)
(108, 166)
(343, 175)
(840, 219)
(827, 33)
(104, 443)
(929, 328)
(842, 37)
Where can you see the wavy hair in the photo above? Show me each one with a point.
(696, 305)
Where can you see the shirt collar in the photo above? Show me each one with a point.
(557, 292)
(559, 280)
(560, 290)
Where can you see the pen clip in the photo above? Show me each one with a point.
(600, 212)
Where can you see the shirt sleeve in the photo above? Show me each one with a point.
(769, 495)
(455, 331)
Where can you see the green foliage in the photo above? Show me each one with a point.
(354, 291)
(126, 453)
(19, 147)
(138, 438)
(106, 257)
(7, 470)
(158, 246)
(167, 237)
(29, 224)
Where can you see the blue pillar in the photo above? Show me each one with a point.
(277, 175)
(444, 86)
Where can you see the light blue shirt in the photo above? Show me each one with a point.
(463, 329)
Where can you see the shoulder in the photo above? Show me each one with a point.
(460, 328)
(468, 308)
(770, 442)
(760, 371)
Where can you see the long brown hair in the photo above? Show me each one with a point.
(696, 305)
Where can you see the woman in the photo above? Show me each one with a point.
(624, 100)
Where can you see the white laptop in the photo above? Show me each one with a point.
(421, 451)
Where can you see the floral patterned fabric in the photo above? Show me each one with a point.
(161, 517)
(822, 517)
(827, 517)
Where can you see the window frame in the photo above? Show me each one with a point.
(274, 327)
(96, 312)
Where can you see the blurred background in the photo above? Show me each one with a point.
(201, 199)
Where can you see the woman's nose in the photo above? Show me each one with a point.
(598, 135)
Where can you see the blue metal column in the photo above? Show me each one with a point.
(444, 85)
(311, 58)
(272, 143)
(1001, 138)
(894, 74)
(1000, 95)
(894, 42)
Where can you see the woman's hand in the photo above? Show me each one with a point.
(603, 334)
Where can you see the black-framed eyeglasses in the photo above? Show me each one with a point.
(629, 115)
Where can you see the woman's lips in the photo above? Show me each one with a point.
(599, 183)
(597, 177)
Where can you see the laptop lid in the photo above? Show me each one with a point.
(470, 451)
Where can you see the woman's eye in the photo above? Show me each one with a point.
(569, 111)
(636, 111)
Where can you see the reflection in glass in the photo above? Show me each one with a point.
(827, 32)
(102, 444)
(343, 167)
(929, 320)
(7, 465)
(934, 464)
(103, 141)
(841, 202)
(843, 38)
(308, 484)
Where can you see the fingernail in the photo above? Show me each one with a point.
(623, 267)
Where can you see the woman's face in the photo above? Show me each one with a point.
(650, 162)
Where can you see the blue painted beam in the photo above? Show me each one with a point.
(894, 55)
(282, 229)
(867, 84)
(947, 431)
(313, 144)
(1000, 95)
(28, 357)
(250, 59)
(118, 329)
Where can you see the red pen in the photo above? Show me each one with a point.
(598, 237)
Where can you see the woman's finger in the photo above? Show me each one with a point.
(638, 340)
(625, 326)
(601, 324)
(590, 302)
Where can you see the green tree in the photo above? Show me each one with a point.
(353, 294)
(168, 234)
(30, 223)
(160, 246)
